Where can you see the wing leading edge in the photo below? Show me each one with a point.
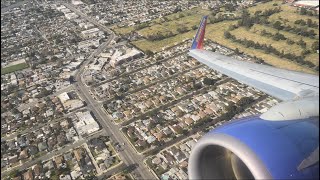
(280, 83)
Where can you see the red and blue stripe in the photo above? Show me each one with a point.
(199, 38)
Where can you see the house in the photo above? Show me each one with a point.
(169, 159)
(159, 136)
(62, 139)
(141, 143)
(13, 159)
(191, 143)
(108, 162)
(195, 117)
(78, 153)
(102, 166)
(4, 163)
(151, 139)
(118, 177)
(65, 177)
(167, 131)
(202, 114)
(98, 144)
(176, 129)
(173, 151)
(67, 156)
(42, 146)
(33, 150)
(181, 157)
(23, 154)
(188, 121)
(156, 161)
(58, 160)
(51, 143)
(17, 178)
(28, 175)
(49, 165)
(76, 174)
(37, 169)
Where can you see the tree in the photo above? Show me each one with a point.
(141, 26)
(149, 53)
(166, 19)
(230, 7)
(14, 173)
(290, 42)
(227, 34)
(305, 52)
(237, 51)
(182, 29)
(278, 25)
(279, 36)
(194, 27)
(303, 11)
(315, 46)
(15, 111)
(181, 15)
(178, 9)
(43, 93)
(302, 43)
(197, 86)
(209, 81)
(245, 101)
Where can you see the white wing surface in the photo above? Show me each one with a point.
(280, 83)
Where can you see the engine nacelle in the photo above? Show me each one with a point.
(253, 148)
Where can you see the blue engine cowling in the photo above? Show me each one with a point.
(253, 148)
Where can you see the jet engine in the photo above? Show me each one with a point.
(254, 148)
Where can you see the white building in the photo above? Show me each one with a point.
(68, 103)
(73, 104)
(91, 33)
(76, 2)
(119, 57)
(86, 25)
(307, 4)
(71, 15)
(63, 97)
(85, 124)
(88, 43)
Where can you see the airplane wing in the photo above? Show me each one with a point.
(280, 83)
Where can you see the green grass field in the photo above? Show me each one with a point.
(172, 26)
(13, 68)
(124, 30)
(187, 18)
(156, 46)
(288, 15)
(242, 33)
(215, 32)
(268, 5)
(258, 28)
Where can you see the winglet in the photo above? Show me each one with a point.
(199, 38)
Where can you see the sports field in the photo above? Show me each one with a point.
(13, 68)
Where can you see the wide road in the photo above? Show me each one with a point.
(128, 155)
